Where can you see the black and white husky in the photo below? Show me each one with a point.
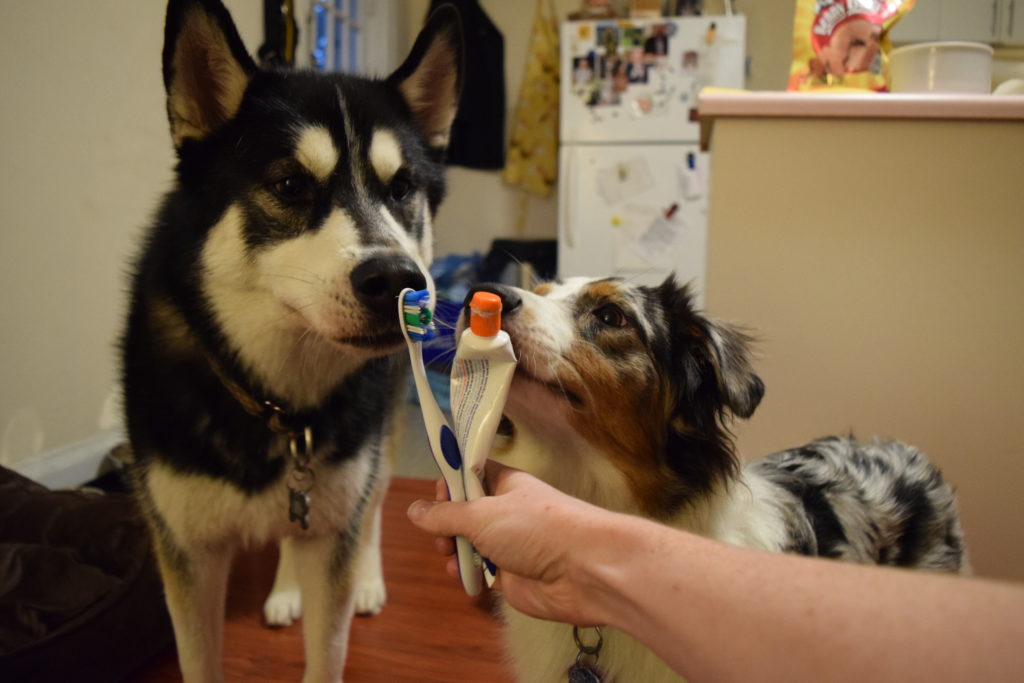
(259, 357)
(622, 397)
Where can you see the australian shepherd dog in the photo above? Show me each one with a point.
(622, 398)
(262, 352)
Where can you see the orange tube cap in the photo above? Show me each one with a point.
(485, 314)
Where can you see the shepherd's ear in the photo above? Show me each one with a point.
(206, 68)
(430, 79)
(716, 356)
(740, 388)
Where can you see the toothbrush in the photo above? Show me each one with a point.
(481, 375)
(417, 325)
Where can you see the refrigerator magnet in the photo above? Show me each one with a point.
(691, 180)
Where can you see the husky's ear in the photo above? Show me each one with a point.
(206, 68)
(430, 79)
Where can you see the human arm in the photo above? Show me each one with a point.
(718, 612)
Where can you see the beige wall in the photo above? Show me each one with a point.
(769, 39)
(86, 155)
(882, 266)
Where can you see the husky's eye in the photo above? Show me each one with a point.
(294, 188)
(400, 186)
(611, 316)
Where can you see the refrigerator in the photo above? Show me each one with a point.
(633, 184)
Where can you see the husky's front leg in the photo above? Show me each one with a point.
(325, 570)
(284, 604)
(195, 585)
(371, 593)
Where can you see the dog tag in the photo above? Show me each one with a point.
(298, 507)
(585, 673)
(300, 478)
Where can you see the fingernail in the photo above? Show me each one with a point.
(418, 509)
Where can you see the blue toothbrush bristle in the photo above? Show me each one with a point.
(418, 318)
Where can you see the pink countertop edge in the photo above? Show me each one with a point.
(857, 105)
(772, 104)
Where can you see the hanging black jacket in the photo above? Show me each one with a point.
(478, 133)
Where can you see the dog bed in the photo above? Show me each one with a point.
(80, 597)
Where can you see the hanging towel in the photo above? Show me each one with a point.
(533, 147)
(478, 132)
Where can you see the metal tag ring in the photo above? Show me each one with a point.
(588, 649)
(307, 449)
(302, 479)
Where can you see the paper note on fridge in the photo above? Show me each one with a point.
(624, 180)
(656, 243)
(632, 224)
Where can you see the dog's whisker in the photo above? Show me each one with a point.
(273, 322)
(296, 278)
(301, 347)
(300, 267)
(535, 280)
(636, 276)
(444, 358)
(575, 405)
(444, 324)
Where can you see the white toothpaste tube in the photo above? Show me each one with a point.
(481, 375)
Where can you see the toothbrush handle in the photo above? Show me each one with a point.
(474, 485)
(468, 558)
(448, 463)
(434, 420)
(474, 490)
(469, 566)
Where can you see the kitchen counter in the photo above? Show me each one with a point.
(874, 245)
(716, 104)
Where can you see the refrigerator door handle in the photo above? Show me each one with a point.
(569, 200)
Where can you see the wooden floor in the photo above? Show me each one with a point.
(429, 632)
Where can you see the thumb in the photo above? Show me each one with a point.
(439, 518)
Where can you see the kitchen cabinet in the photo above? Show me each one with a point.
(1014, 23)
(988, 21)
(919, 25)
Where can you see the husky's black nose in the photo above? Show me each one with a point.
(510, 301)
(378, 280)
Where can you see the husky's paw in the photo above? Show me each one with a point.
(370, 596)
(282, 607)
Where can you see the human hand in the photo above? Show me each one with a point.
(541, 540)
(853, 47)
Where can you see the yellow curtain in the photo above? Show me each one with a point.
(532, 161)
